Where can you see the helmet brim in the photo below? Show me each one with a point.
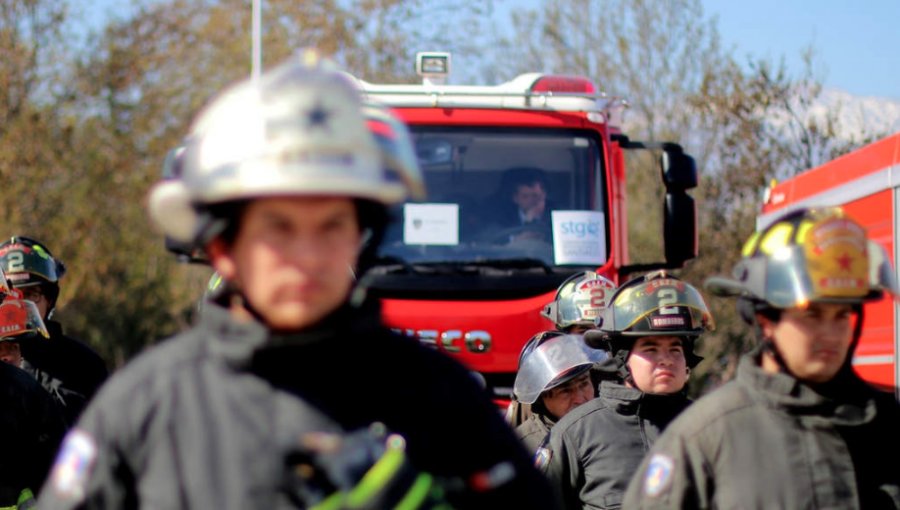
(724, 287)
(169, 205)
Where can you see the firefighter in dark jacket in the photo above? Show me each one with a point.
(31, 423)
(66, 367)
(553, 378)
(650, 327)
(578, 302)
(289, 393)
(796, 428)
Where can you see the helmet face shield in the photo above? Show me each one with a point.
(556, 356)
(669, 305)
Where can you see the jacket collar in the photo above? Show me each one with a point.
(852, 403)
(237, 341)
(615, 390)
(634, 401)
(54, 328)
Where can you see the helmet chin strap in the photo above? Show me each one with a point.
(769, 347)
(622, 370)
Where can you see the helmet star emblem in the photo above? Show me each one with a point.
(844, 261)
(317, 117)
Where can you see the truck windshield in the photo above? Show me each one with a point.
(504, 197)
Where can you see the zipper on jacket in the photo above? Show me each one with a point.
(641, 424)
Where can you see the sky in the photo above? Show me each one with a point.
(857, 42)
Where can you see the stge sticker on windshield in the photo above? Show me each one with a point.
(579, 237)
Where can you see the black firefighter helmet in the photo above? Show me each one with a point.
(656, 304)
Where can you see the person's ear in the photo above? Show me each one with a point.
(220, 259)
(766, 325)
(687, 370)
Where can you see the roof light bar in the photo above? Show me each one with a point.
(563, 84)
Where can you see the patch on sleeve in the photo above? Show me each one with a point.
(73, 464)
(658, 475)
(542, 458)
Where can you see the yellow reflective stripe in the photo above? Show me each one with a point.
(750, 246)
(26, 499)
(333, 502)
(777, 237)
(417, 494)
(377, 477)
(802, 230)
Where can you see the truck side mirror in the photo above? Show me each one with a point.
(679, 171)
(680, 227)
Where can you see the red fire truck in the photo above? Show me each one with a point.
(462, 270)
(866, 183)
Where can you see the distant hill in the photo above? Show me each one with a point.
(860, 115)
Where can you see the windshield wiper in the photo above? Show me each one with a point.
(389, 264)
(488, 267)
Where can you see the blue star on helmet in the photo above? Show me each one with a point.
(317, 117)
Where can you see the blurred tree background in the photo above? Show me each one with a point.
(87, 114)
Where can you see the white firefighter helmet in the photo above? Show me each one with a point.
(579, 300)
(300, 129)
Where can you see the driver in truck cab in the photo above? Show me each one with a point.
(520, 205)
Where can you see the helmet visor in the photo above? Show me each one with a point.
(795, 276)
(548, 361)
(4, 285)
(667, 296)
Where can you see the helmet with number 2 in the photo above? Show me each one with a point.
(579, 301)
(28, 262)
(656, 304)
